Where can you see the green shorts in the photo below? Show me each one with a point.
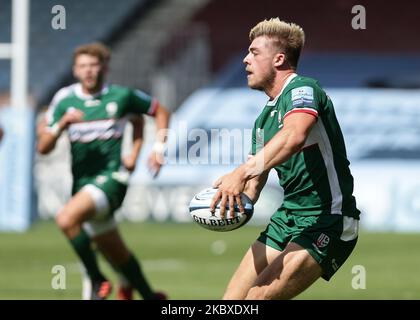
(329, 239)
(113, 185)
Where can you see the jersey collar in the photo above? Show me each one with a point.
(274, 101)
(80, 94)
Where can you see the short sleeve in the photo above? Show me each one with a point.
(142, 103)
(56, 110)
(303, 99)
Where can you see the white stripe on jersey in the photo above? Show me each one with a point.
(318, 135)
(89, 131)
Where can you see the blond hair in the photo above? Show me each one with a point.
(288, 37)
(95, 49)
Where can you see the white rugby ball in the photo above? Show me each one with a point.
(200, 212)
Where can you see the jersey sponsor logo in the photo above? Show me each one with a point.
(303, 97)
(111, 108)
(92, 103)
(86, 132)
(322, 240)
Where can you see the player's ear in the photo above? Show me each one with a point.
(279, 59)
(105, 67)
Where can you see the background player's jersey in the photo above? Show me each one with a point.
(96, 141)
(317, 179)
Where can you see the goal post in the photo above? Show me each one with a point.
(17, 197)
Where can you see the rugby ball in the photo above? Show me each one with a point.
(200, 212)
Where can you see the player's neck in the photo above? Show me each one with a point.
(278, 83)
(92, 91)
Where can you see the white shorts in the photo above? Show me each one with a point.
(102, 221)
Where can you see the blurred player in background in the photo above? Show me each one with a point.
(125, 289)
(94, 114)
(316, 228)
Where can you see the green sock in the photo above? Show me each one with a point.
(82, 245)
(132, 271)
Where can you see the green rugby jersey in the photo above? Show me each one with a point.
(317, 179)
(96, 141)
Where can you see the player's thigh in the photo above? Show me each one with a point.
(80, 208)
(289, 274)
(253, 263)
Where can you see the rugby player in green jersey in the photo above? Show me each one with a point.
(297, 134)
(94, 115)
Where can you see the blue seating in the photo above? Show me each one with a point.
(51, 50)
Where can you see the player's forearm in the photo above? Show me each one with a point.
(47, 137)
(138, 126)
(254, 187)
(137, 144)
(162, 122)
(278, 150)
(46, 142)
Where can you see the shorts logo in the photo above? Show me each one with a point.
(322, 241)
(101, 179)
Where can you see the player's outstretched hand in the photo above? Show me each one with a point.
(155, 162)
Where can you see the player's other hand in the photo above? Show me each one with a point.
(71, 116)
(155, 162)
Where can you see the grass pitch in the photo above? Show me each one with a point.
(191, 263)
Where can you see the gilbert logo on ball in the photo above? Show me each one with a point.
(200, 212)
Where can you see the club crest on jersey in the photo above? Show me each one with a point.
(111, 108)
(322, 241)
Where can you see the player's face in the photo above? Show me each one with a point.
(89, 71)
(259, 64)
